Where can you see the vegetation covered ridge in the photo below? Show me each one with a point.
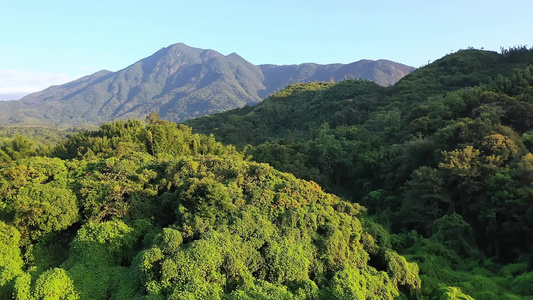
(134, 211)
(443, 159)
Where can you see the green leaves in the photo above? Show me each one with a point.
(156, 211)
(55, 284)
(42, 209)
(11, 263)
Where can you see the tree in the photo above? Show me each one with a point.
(454, 232)
(463, 168)
(152, 118)
(55, 284)
(425, 198)
(10, 258)
(42, 209)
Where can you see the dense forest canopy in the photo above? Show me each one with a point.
(448, 146)
(155, 211)
(430, 187)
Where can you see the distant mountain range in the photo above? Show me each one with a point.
(180, 82)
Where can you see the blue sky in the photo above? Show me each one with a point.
(52, 42)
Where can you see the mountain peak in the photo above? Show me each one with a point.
(181, 47)
(234, 55)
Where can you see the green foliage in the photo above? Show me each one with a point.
(97, 256)
(35, 197)
(55, 284)
(263, 290)
(402, 272)
(353, 284)
(443, 152)
(424, 198)
(10, 258)
(453, 232)
(128, 137)
(41, 209)
(452, 293)
(180, 216)
(294, 109)
(18, 147)
(170, 240)
(154, 211)
(226, 245)
(523, 284)
(23, 289)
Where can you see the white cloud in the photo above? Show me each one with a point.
(14, 84)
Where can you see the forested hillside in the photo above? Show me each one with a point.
(428, 195)
(442, 159)
(135, 211)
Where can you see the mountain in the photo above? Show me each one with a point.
(156, 212)
(383, 72)
(180, 82)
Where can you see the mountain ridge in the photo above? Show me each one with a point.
(180, 82)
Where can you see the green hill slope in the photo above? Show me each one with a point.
(443, 166)
(300, 106)
(156, 212)
(446, 148)
(295, 109)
